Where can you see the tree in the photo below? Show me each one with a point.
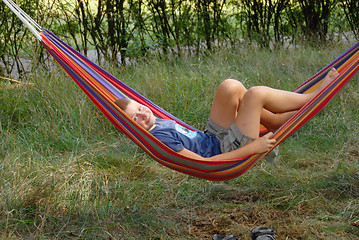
(316, 18)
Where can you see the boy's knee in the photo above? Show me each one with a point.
(231, 86)
(257, 92)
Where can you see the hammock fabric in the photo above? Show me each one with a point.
(103, 89)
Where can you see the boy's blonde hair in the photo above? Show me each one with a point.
(122, 103)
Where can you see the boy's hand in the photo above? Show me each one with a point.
(264, 143)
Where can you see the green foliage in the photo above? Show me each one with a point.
(122, 31)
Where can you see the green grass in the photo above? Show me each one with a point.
(67, 173)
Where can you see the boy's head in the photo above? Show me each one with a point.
(138, 112)
(122, 103)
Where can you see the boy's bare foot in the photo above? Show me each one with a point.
(331, 75)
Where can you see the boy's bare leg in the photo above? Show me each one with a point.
(228, 98)
(226, 104)
(274, 121)
(274, 100)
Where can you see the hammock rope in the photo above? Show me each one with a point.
(103, 89)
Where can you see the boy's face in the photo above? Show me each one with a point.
(141, 114)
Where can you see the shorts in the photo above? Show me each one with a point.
(230, 139)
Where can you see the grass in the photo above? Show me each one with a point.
(67, 173)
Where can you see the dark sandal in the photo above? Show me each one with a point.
(224, 237)
(263, 233)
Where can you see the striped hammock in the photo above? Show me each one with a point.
(103, 89)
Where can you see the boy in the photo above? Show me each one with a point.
(233, 127)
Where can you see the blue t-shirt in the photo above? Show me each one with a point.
(178, 137)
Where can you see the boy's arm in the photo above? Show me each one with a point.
(259, 145)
